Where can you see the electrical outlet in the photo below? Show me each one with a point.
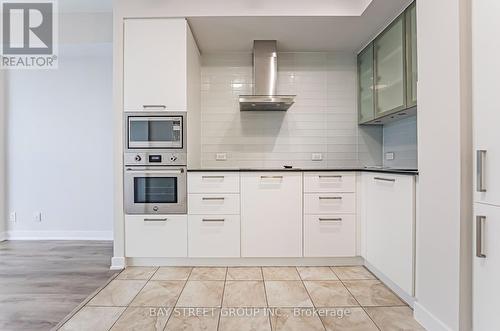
(13, 217)
(389, 156)
(317, 157)
(37, 217)
(221, 157)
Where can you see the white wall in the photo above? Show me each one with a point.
(444, 151)
(60, 139)
(323, 119)
(3, 213)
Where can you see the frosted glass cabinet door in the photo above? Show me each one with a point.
(365, 79)
(411, 55)
(390, 84)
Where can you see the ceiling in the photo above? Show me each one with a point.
(334, 33)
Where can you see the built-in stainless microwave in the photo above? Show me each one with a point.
(155, 131)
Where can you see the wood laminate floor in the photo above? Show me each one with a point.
(43, 281)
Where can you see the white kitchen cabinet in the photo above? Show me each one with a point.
(486, 113)
(213, 203)
(328, 182)
(214, 235)
(389, 225)
(156, 64)
(328, 203)
(486, 267)
(271, 214)
(329, 235)
(156, 235)
(214, 182)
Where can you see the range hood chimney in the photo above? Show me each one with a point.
(265, 75)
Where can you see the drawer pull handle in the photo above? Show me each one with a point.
(480, 186)
(155, 219)
(272, 177)
(330, 176)
(479, 236)
(212, 198)
(385, 179)
(213, 220)
(212, 177)
(154, 106)
(330, 198)
(330, 219)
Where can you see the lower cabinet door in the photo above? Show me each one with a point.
(486, 267)
(156, 235)
(329, 235)
(214, 235)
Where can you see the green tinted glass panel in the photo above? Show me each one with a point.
(411, 19)
(365, 75)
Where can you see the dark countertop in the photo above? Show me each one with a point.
(411, 172)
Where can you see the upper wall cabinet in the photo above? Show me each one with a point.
(394, 72)
(155, 64)
(411, 55)
(365, 81)
(389, 50)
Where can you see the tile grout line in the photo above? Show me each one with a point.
(310, 297)
(363, 308)
(222, 298)
(267, 301)
(127, 306)
(176, 301)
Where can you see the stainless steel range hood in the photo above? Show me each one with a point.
(265, 75)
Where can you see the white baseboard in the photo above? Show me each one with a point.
(60, 235)
(3, 236)
(117, 263)
(428, 320)
(405, 296)
(244, 261)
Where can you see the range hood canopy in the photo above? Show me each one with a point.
(265, 75)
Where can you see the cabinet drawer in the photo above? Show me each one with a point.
(213, 204)
(214, 235)
(156, 235)
(329, 235)
(330, 203)
(213, 182)
(329, 182)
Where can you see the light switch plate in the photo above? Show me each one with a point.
(13, 217)
(221, 157)
(317, 156)
(389, 156)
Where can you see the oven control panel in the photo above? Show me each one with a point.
(155, 159)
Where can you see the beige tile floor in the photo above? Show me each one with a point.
(244, 298)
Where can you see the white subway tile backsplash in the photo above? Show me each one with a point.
(323, 119)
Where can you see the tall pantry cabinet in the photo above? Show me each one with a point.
(486, 116)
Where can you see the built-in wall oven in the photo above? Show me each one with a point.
(155, 190)
(155, 163)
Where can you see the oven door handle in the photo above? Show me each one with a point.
(155, 171)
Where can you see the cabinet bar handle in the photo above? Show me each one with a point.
(213, 220)
(212, 198)
(479, 236)
(264, 177)
(154, 106)
(385, 179)
(330, 198)
(330, 176)
(155, 219)
(330, 219)
(480, 156)
(212, 177)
